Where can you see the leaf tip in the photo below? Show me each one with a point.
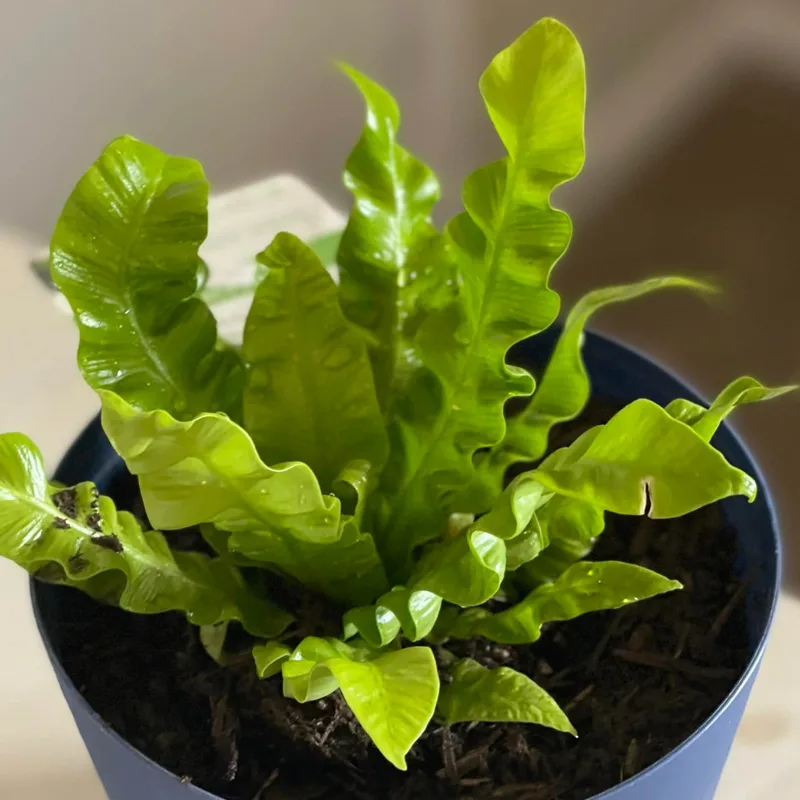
(749, 488)
(564, 725)
(347, 69)
(551, 22)
(398, 761)
(703, 286)
(382, 108)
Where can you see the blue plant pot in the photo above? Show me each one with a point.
(690, 772)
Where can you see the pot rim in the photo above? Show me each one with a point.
(776, 549)
(608, 794)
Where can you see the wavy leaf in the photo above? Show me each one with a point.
(393, 695)
(269, 658)
(466, 570)
(412, 611)
(388, 229)
(738, 393)
(570, 528)
(529, 545)
(505, 245)
(562, 392)
(469, 570)
(642, 457)
(353, 486)
(77, 537)
(348, 570)
(207, 470)
(125, 255)
(584, 587)
(310, 394)
(478, 694)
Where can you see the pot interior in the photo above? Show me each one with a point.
(618, 375)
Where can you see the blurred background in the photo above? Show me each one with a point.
(693, 166)
(693, 147)
(693, 159)
(693, 140)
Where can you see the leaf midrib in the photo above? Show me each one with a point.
(446, 417)
(306, 370)
(128, 298)
(48, 510)
(290, 541)
(151, 352)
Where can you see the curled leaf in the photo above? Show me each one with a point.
(306, 677)
(412, 611)
(353, 485)
(570, 529)
(269, 658)
(528, 546)
(465, 570)
(738, 393)
(469, 570)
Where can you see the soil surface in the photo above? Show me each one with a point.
(635, 683)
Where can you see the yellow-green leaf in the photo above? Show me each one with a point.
(385, 276)
(478, 694)
(584, 587)
(75, 536)
(643, 461)
(562, 392)
(504, 246)
(393, 697)
(738, 393)
(310, 394)
(125, 255)
(207, 470)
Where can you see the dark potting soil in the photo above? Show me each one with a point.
(635, 683)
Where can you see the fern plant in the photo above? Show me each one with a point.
(356, 444)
